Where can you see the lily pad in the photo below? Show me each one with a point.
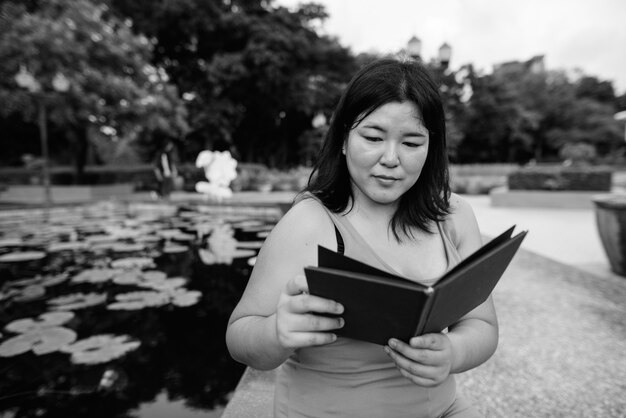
(260, 228)
(128, 277)
(67, 246)
(168, 233)
(183, 237)
(100, 348)
(153, 276)
(165, 285)
(247, 224)
(128, 248)
(148, 239)
(21, 256)
(45, 320)
(133, 263)
(99, 239)
(102, 246)
(139, 300)
(10, 242)
(175, 249)
(184, 297)
(250, 245)
(243, 253)
(94, 276)
(26, 282)
(48, 281)
(30, 293)
(53, 339)
(77, 301)
(40, 341)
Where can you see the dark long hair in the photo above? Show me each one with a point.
(381, 82)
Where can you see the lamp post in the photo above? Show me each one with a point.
(60, 84)
(445, 52)
(414, 48)
(414, 51)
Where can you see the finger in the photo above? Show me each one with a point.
(306, 339)
(420, 381)
(317, 323)
(310, 303)
(429, 342)
(296, 286)
(411, 367)
(423, 356)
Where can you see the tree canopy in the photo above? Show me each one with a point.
(254, 74)
(250, 76)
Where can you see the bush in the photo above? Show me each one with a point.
(578, 153)
(141, 176)
(475, 184)
(479, 178)
(576, 178)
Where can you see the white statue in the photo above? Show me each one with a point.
(220, 169)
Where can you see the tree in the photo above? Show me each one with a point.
(254, 74)
(495, 124)
(520, 112)
(111, 82)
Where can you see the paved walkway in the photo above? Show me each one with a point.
(569, 236)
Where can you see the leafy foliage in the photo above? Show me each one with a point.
(111, 82)
(254, 74)
(516, 114)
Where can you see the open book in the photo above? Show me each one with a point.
(379, 305)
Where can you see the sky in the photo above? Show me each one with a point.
(585, 35)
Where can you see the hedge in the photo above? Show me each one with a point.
(574, 178)
(141, 176)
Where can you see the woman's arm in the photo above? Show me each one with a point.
(276, 314)
(428, 359)
(475, 337)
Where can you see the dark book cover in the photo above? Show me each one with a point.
(380, 305)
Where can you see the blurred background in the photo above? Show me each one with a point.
(105, 85)
(100, 100)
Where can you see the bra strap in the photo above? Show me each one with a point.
(340, 246)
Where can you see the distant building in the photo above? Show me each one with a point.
(535, 65)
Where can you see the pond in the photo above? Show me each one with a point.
(120, 310)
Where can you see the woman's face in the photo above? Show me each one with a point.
(386, 152)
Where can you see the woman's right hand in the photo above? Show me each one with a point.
(297, 321)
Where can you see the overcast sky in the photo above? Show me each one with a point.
(585, 34)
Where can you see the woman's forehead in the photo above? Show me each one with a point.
(393, 114)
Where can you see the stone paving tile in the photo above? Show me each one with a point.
(562, 345)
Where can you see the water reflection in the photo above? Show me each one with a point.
(112, 251)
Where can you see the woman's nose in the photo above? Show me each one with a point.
(390, 157)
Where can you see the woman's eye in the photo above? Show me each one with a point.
(412, 144)
(372, 138)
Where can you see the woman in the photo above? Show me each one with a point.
(379, 193)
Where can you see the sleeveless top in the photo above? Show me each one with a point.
(351, 378)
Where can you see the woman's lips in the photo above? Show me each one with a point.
(386, 179)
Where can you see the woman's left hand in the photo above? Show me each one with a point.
(426, 360)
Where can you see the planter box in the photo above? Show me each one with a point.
(503, 197)
(28, 194)
(611, 222)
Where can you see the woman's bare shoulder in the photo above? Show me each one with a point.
(462, 225)
(460, 209)
(307, 216)
(305, 224)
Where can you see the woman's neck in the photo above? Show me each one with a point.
(370, 211)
